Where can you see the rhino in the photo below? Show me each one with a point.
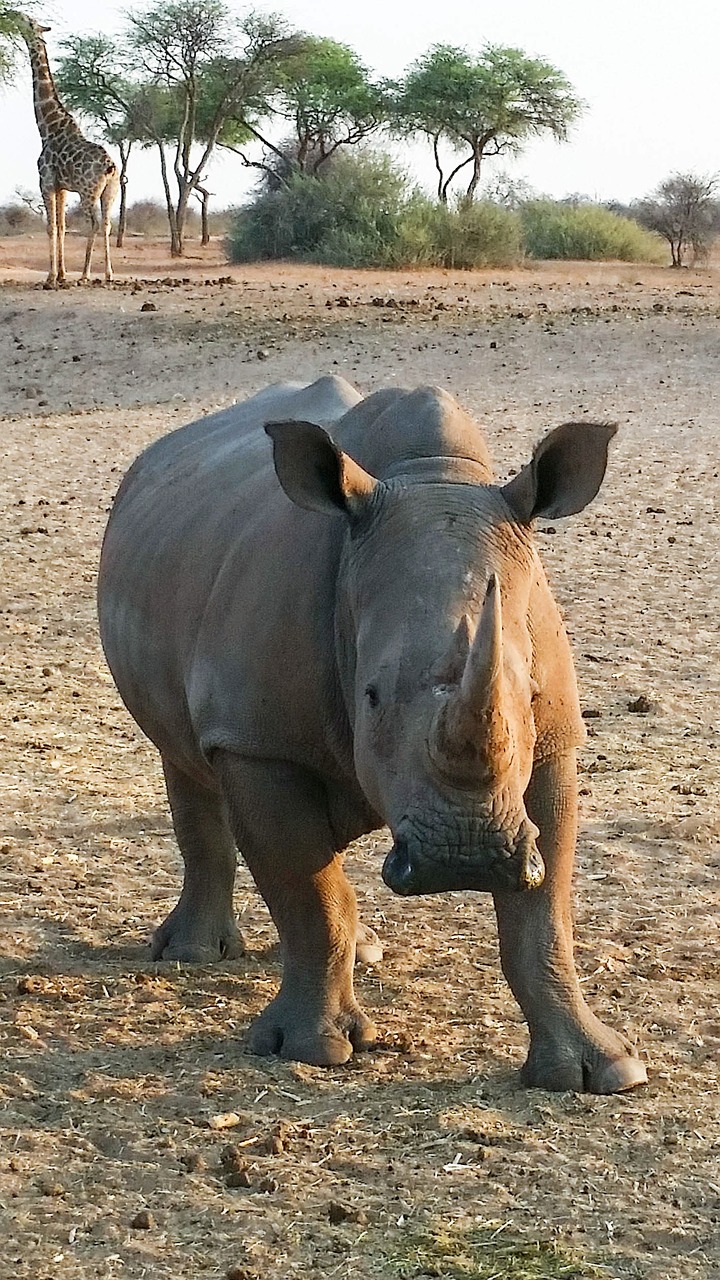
(328, 619)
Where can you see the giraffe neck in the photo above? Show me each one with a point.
(50, 113)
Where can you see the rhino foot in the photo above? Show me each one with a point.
(368, 947)
(195, 939)
(583, 1065)
(323, 1042)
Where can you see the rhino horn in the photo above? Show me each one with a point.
(452, 665)
(481, 684)
(470, 735)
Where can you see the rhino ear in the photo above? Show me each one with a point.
(565, 472)
(314, 473)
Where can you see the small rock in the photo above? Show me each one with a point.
(231, 1159)
(640, 705)
(193, 1162)
(473, 1134)
(33, 984)
(591, 713)
(50, 1187)
(225, 1120)
(493, 346)
(148, 306)
(143, 1221)
(262, 354)
(278, 1140)
(240, 1178)
(338, 1212)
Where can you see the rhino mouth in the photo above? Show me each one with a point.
(498, 865)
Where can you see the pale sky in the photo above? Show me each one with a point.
(648, 70)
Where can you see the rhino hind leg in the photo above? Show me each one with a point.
(279, 816)
(569, 1047)
(201, 928)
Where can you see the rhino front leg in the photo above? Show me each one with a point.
(569, 1047)
(279, 815)
(202, 927)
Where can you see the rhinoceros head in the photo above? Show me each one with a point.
(435, 647)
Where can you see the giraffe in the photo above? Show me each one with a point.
(67, 162)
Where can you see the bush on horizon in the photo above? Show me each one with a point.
(18, 219)
(348, 217)
(460, 237)
(590, 232)
(362, 211)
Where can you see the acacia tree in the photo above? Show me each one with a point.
(90, 83)
(327, 98)
(684, 212)
(326, 94)
(10, 38)
(482, 106)
(203, 69)
(7, 51)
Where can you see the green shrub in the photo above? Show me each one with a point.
(466, 236)
(349, 217)
(362, 212)
(553, 230)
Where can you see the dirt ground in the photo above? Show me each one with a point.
(138, 1139)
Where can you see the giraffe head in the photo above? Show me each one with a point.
(26, 26)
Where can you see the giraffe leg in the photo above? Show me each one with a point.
(107, 200)
(50, 200)
(60, 202)
(91, 213)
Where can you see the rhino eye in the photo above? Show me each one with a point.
(372, 695)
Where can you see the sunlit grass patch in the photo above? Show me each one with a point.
(491, 1252)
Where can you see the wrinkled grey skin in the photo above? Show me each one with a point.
(359, 634)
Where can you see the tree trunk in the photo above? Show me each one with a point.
(122, 215)
(177, 246)
(475, 179)
(442, 185)
(204, 195)
(175, 241)
(205, 237)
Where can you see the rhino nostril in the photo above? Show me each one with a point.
(532, 872)
(398, 871)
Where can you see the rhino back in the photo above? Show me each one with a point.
(203, 563)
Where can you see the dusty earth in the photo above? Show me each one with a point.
(138, 1139)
